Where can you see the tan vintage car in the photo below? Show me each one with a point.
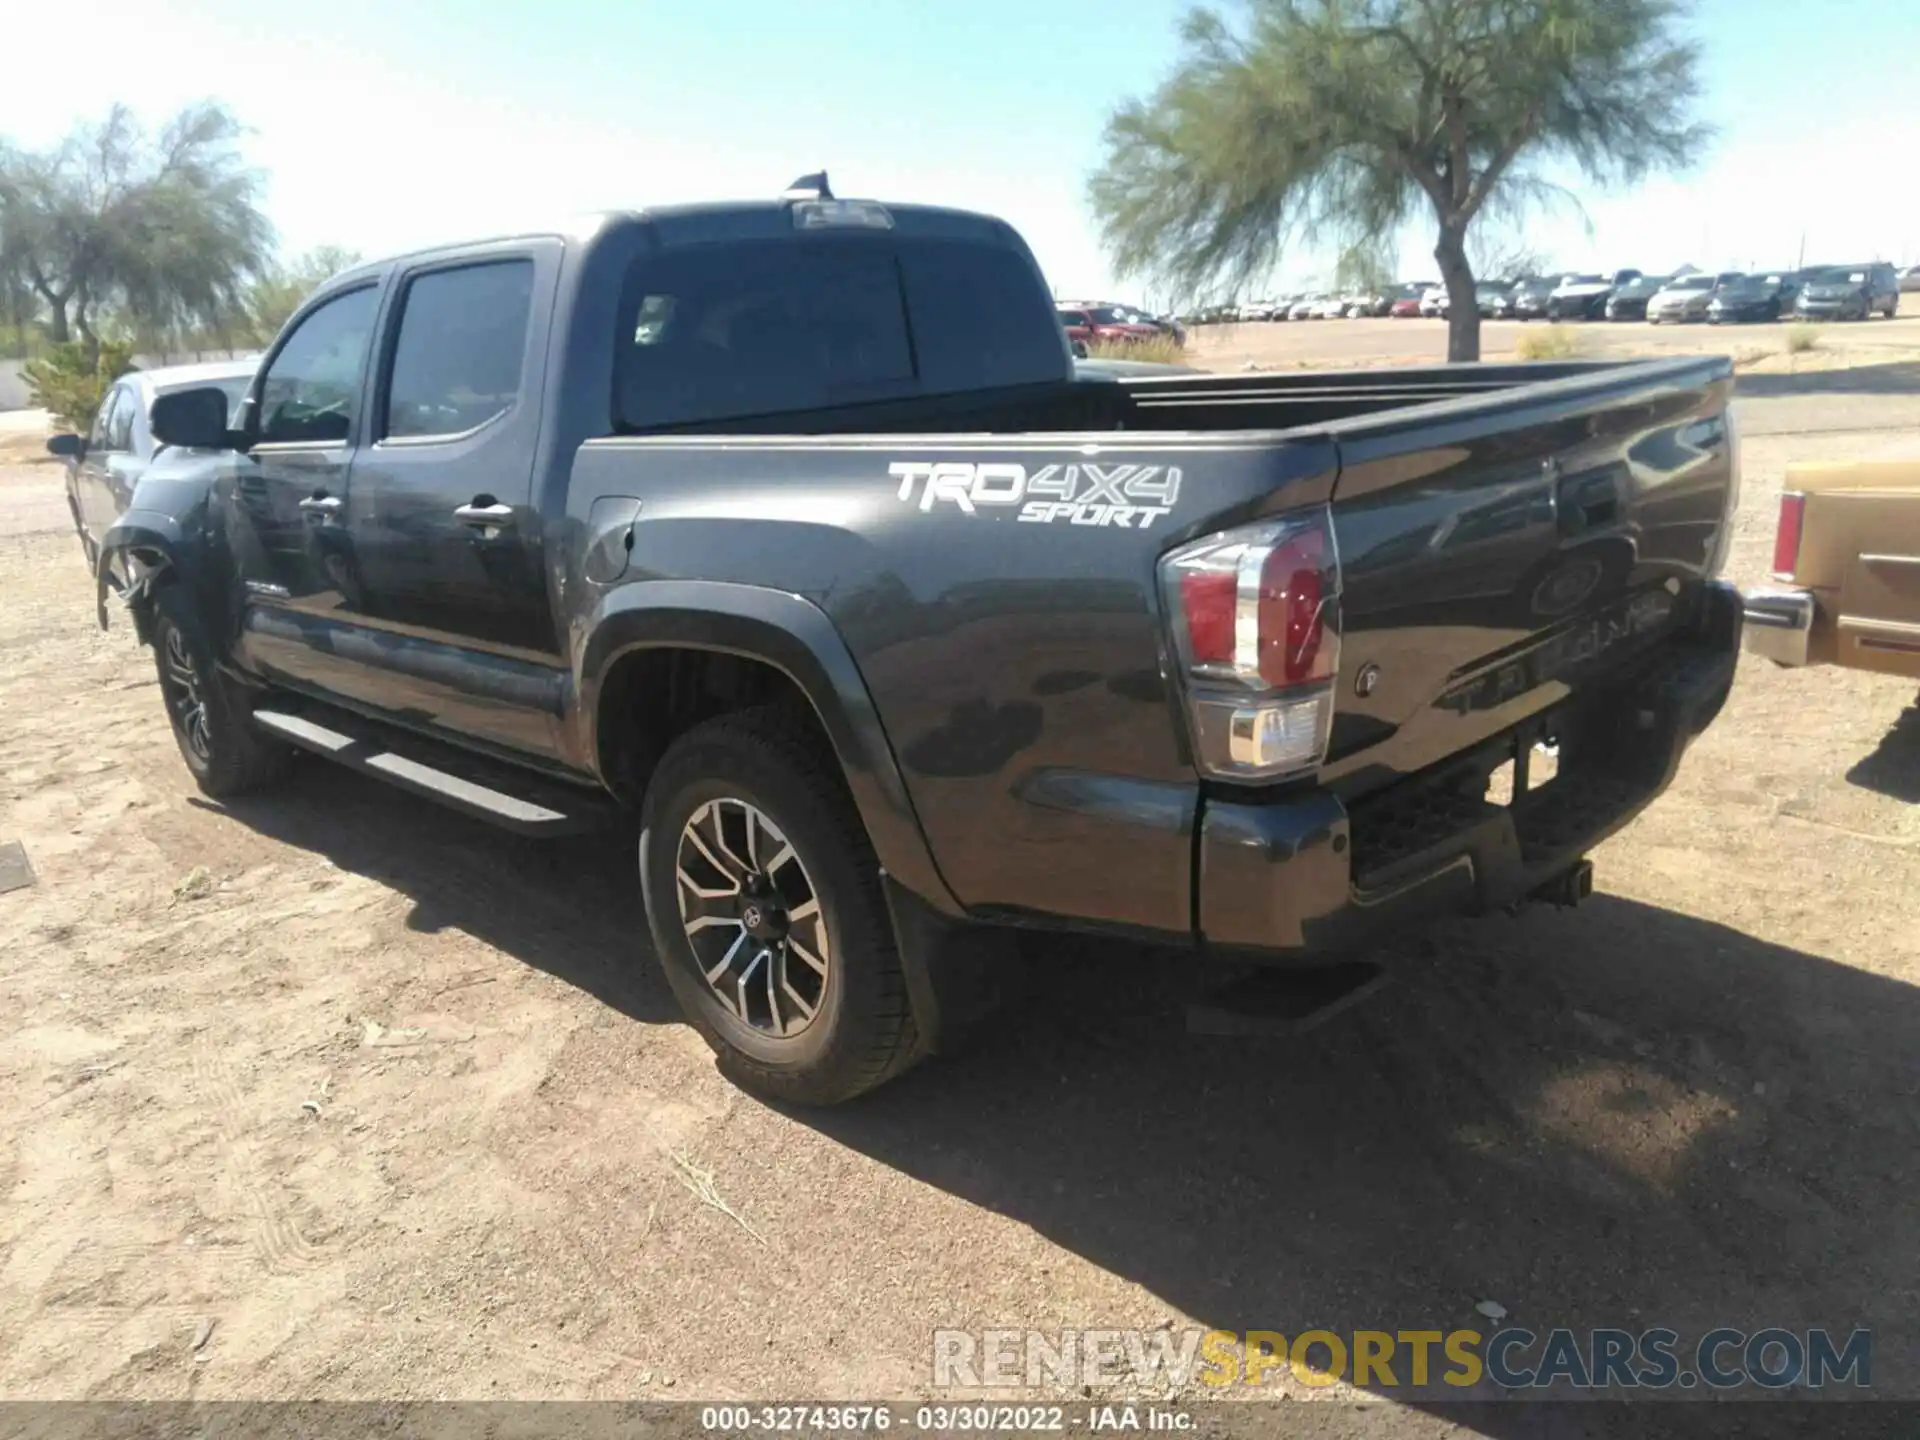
(1847, 558)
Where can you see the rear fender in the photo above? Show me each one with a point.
(795, 637)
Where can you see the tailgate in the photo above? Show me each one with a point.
(1500, 552)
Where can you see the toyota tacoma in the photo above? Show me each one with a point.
(792, 530)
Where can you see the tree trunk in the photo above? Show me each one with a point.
(57, 329)
(1463, 306)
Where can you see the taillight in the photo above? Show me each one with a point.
(1256, 625)
(1786, 538)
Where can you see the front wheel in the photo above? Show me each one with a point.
(763, 897)
(210, 712)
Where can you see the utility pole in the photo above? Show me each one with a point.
(1801, 263)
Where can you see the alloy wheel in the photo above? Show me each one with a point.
(752, 917)
(184, 699)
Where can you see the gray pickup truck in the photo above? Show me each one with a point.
(792, 529)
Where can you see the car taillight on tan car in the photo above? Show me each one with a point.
(1786, 538)
(1256, 625)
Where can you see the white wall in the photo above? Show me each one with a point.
(13, 389)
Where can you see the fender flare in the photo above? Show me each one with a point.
(135, 530)
(794, 636)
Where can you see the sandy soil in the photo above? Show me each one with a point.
(398, 1106)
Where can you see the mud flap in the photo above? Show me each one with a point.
(957, 974)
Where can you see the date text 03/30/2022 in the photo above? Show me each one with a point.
(940, 1419)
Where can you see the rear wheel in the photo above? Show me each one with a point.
(764, 901)
(211, 713)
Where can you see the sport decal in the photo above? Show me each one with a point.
(1130, 496)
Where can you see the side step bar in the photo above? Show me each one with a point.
(490, 791)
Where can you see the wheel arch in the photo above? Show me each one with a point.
(139, 552)
(642, 630)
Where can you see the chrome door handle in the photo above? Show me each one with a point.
(321, 504)
(484, 514)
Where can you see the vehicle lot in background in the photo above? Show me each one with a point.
(1629, 302)
(1849, 292)
(1086, 323)
(1531, 297)
(499, 1187)
(1584, 297)
(1403, 341)
(1682, 300)
(1405, 304)
(1754, 298)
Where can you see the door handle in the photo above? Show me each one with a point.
(321, 504)
(491, 514)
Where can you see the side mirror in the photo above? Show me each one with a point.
(67, 446)
(192, 419)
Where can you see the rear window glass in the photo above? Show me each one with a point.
(979, 316)
(755, 328)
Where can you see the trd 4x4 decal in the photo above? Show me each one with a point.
(1130, 496)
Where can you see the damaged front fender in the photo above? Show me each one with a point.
(135, 554)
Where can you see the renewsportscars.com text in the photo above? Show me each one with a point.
(1513, 1358)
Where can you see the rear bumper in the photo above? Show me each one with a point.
(1779, 624)
(1315, 877)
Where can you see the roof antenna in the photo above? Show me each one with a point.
(809, 187)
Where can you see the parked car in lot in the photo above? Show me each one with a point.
(1584, 297)
(1531, 297)
(1683, 299)
(1501, 307)
(105, 464)
(1304, 307)
(1910, 279)
(1491, 297)
(786, 534)
(1849, 292)
(1406, 301)
(1846, 567)
(1629, 302)
(1753, 298)
(1256, 310)
(1112, 324)
(1435, 302)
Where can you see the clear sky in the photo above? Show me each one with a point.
(386, 124)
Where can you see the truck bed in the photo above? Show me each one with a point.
(1498, 528)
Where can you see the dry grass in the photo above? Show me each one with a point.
(1161, 350)
(1802, 338)
(1556, 342)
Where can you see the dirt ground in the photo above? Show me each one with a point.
(335, 1094)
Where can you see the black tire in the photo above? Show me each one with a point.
(861, 1032)
(211, 713)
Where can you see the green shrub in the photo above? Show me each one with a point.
(1556, 342)
(70, 380)
(1802, 338)
(1160, 350)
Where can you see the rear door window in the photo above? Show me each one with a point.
(463, 338)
